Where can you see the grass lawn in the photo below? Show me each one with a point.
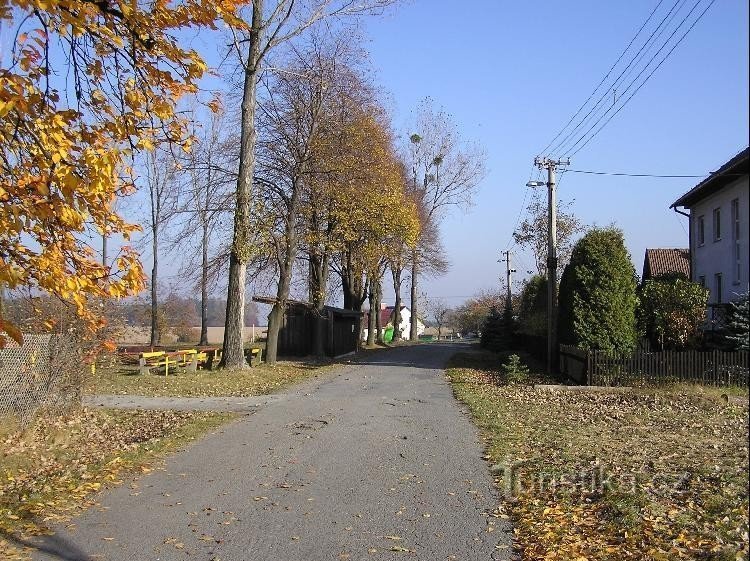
(651, 474)
(53, 468)
(258, 380)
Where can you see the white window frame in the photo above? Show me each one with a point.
(717, 224)
(737, 253)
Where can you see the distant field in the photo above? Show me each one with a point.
(141, 335)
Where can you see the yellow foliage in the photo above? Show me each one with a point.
(361, 183)
(62, 166)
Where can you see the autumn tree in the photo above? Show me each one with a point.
(84, 85)
(531, 234)
(296, 101)
(472, 314)
(440, 312)
(206, 176)
(373, 188)
(268, 26)
(159, 180)
(445, 172)
(356, 183)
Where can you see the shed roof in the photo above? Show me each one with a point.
(664, 261)
(737, 166)
(340, 311)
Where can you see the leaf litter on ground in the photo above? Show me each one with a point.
(652, 474)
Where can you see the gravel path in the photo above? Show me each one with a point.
(377, 461)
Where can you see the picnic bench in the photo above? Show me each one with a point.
(254, 355)
(156, 359)
(189, 359)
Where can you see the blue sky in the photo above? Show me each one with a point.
(512, 74)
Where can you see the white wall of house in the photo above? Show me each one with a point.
(406, 324)
(728, 253)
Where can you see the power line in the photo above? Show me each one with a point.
(623, 104)
(595, 112)
(544, 150)
(700, 16)
(619, 174)
(612, 88)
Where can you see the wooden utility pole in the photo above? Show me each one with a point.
(508, 279)
(551, 166)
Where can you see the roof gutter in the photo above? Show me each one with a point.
(680, 212)
(690, 236)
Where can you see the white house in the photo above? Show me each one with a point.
(386, 317)
(718, 216)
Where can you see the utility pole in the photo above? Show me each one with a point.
(508, 280)
(551, 166)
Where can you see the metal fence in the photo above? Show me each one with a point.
(45, 371)
(601, 368)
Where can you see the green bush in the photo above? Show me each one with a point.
(515, 371)
(497, 330)
(597, 301)
(532, 310)
(671, 310)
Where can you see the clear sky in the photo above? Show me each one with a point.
(513, 73)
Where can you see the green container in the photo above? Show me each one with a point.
(388, 335)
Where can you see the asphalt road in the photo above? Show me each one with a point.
(376, 461)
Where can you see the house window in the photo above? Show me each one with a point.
(701, 230)
(717, 224)
(736, 239)
(718, 288)
(702, 281)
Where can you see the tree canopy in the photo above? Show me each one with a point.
(85, 84)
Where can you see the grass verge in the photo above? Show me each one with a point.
(53, 468)
(258, 380)
(652, 474)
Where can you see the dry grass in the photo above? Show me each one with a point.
(651, 474)
(258, 380)
(54, 468)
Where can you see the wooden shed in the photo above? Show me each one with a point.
(340, 328)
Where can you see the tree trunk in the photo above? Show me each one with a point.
(371, 316)
(204, 286)
(286, 269)
(155, 335)
(397, 306)
(234, 355)
(378, 301)
(317, 283)
(275, 318)
(413, 335)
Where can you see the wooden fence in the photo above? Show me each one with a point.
(602, 368)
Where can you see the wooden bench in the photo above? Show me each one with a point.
(191, 359)
(155, 359)
(254, 356)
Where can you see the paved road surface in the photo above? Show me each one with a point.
(376, 461)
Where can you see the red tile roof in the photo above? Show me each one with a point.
(658, 262)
